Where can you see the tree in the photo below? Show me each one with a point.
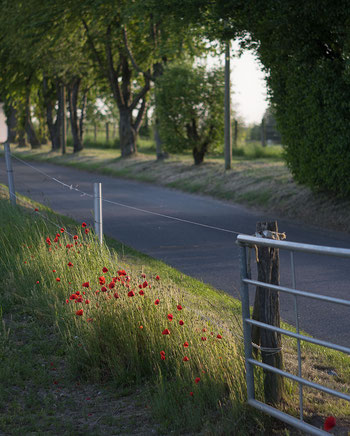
(190, 109)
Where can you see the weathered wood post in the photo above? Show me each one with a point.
(227, 133)
(107, 131)
(267, 310)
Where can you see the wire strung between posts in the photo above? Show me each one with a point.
(46, 218)
(70, 187)
(263, 349)
(131, 207)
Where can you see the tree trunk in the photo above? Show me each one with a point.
(73, 91)
(52, 126)
(127, 133)
(198, 155)
(29, 128)
(82, 117)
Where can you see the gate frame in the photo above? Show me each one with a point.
(245, 241)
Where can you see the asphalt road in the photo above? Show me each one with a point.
(206, 254)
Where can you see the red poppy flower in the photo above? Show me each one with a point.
(186, 344)
(104, 289)
(179, 307)
(131, 294)
(143, 276)
(86, 285)
(166, 332)
(185, 359)
(141, 327)
(87, 301)
(58, 235)
(219, 336)
(87, 231)
(77, 293)
(181, 322)
(197, 380)
(55, 382)
(122, 272)
(102, 280)
(37, 282)
(79, 312)
(84, 225)
(75, 237)
(36, 209)
(55, 240)
(141, 292)
(70, 264)
(68, 246)
(67, 301)
(104, 269)
(73, 297)
(79, 300)
(111, 285)
(157, 278)
(162, 353)
(170, 317)
(140, 286)
(203, 338)
(144, 284)
(191, 393)
(156, 302)
(116, 295)
(48, 241)
(58, 279)
(62, 230)
(204, 330)
(162, 357)
(329, 423)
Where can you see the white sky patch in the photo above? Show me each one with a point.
(247, 84)
(3, 126)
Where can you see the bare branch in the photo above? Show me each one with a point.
(140, 115)
(133, 61)
(93, 48)
(141, 94)
(112, 73)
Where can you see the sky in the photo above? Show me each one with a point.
(247, 85)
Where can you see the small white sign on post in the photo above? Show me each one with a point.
(3, 125)
(98, 210)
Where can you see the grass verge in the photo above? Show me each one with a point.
(116, 344)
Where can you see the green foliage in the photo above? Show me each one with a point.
(190, 109)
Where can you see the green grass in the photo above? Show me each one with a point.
(40, 327)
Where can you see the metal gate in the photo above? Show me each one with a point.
(251, 241)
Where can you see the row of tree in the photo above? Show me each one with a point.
(71, 51)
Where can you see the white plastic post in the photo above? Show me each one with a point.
(98, 210)
(10, 174)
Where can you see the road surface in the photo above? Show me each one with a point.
(206, 254)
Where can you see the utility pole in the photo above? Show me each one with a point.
(228, 139)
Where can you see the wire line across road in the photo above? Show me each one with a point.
(199, 251)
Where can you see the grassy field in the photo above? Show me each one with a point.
(258, 179)
(98, 359)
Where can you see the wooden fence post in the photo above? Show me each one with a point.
(267, 310)
(107, 131)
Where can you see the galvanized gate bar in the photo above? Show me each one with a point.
(309, 429)
(297, 292)
(300, 380)
(294, 246)
(298, 336)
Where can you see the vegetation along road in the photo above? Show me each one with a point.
(206, 254)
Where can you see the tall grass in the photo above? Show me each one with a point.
(195, 373)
